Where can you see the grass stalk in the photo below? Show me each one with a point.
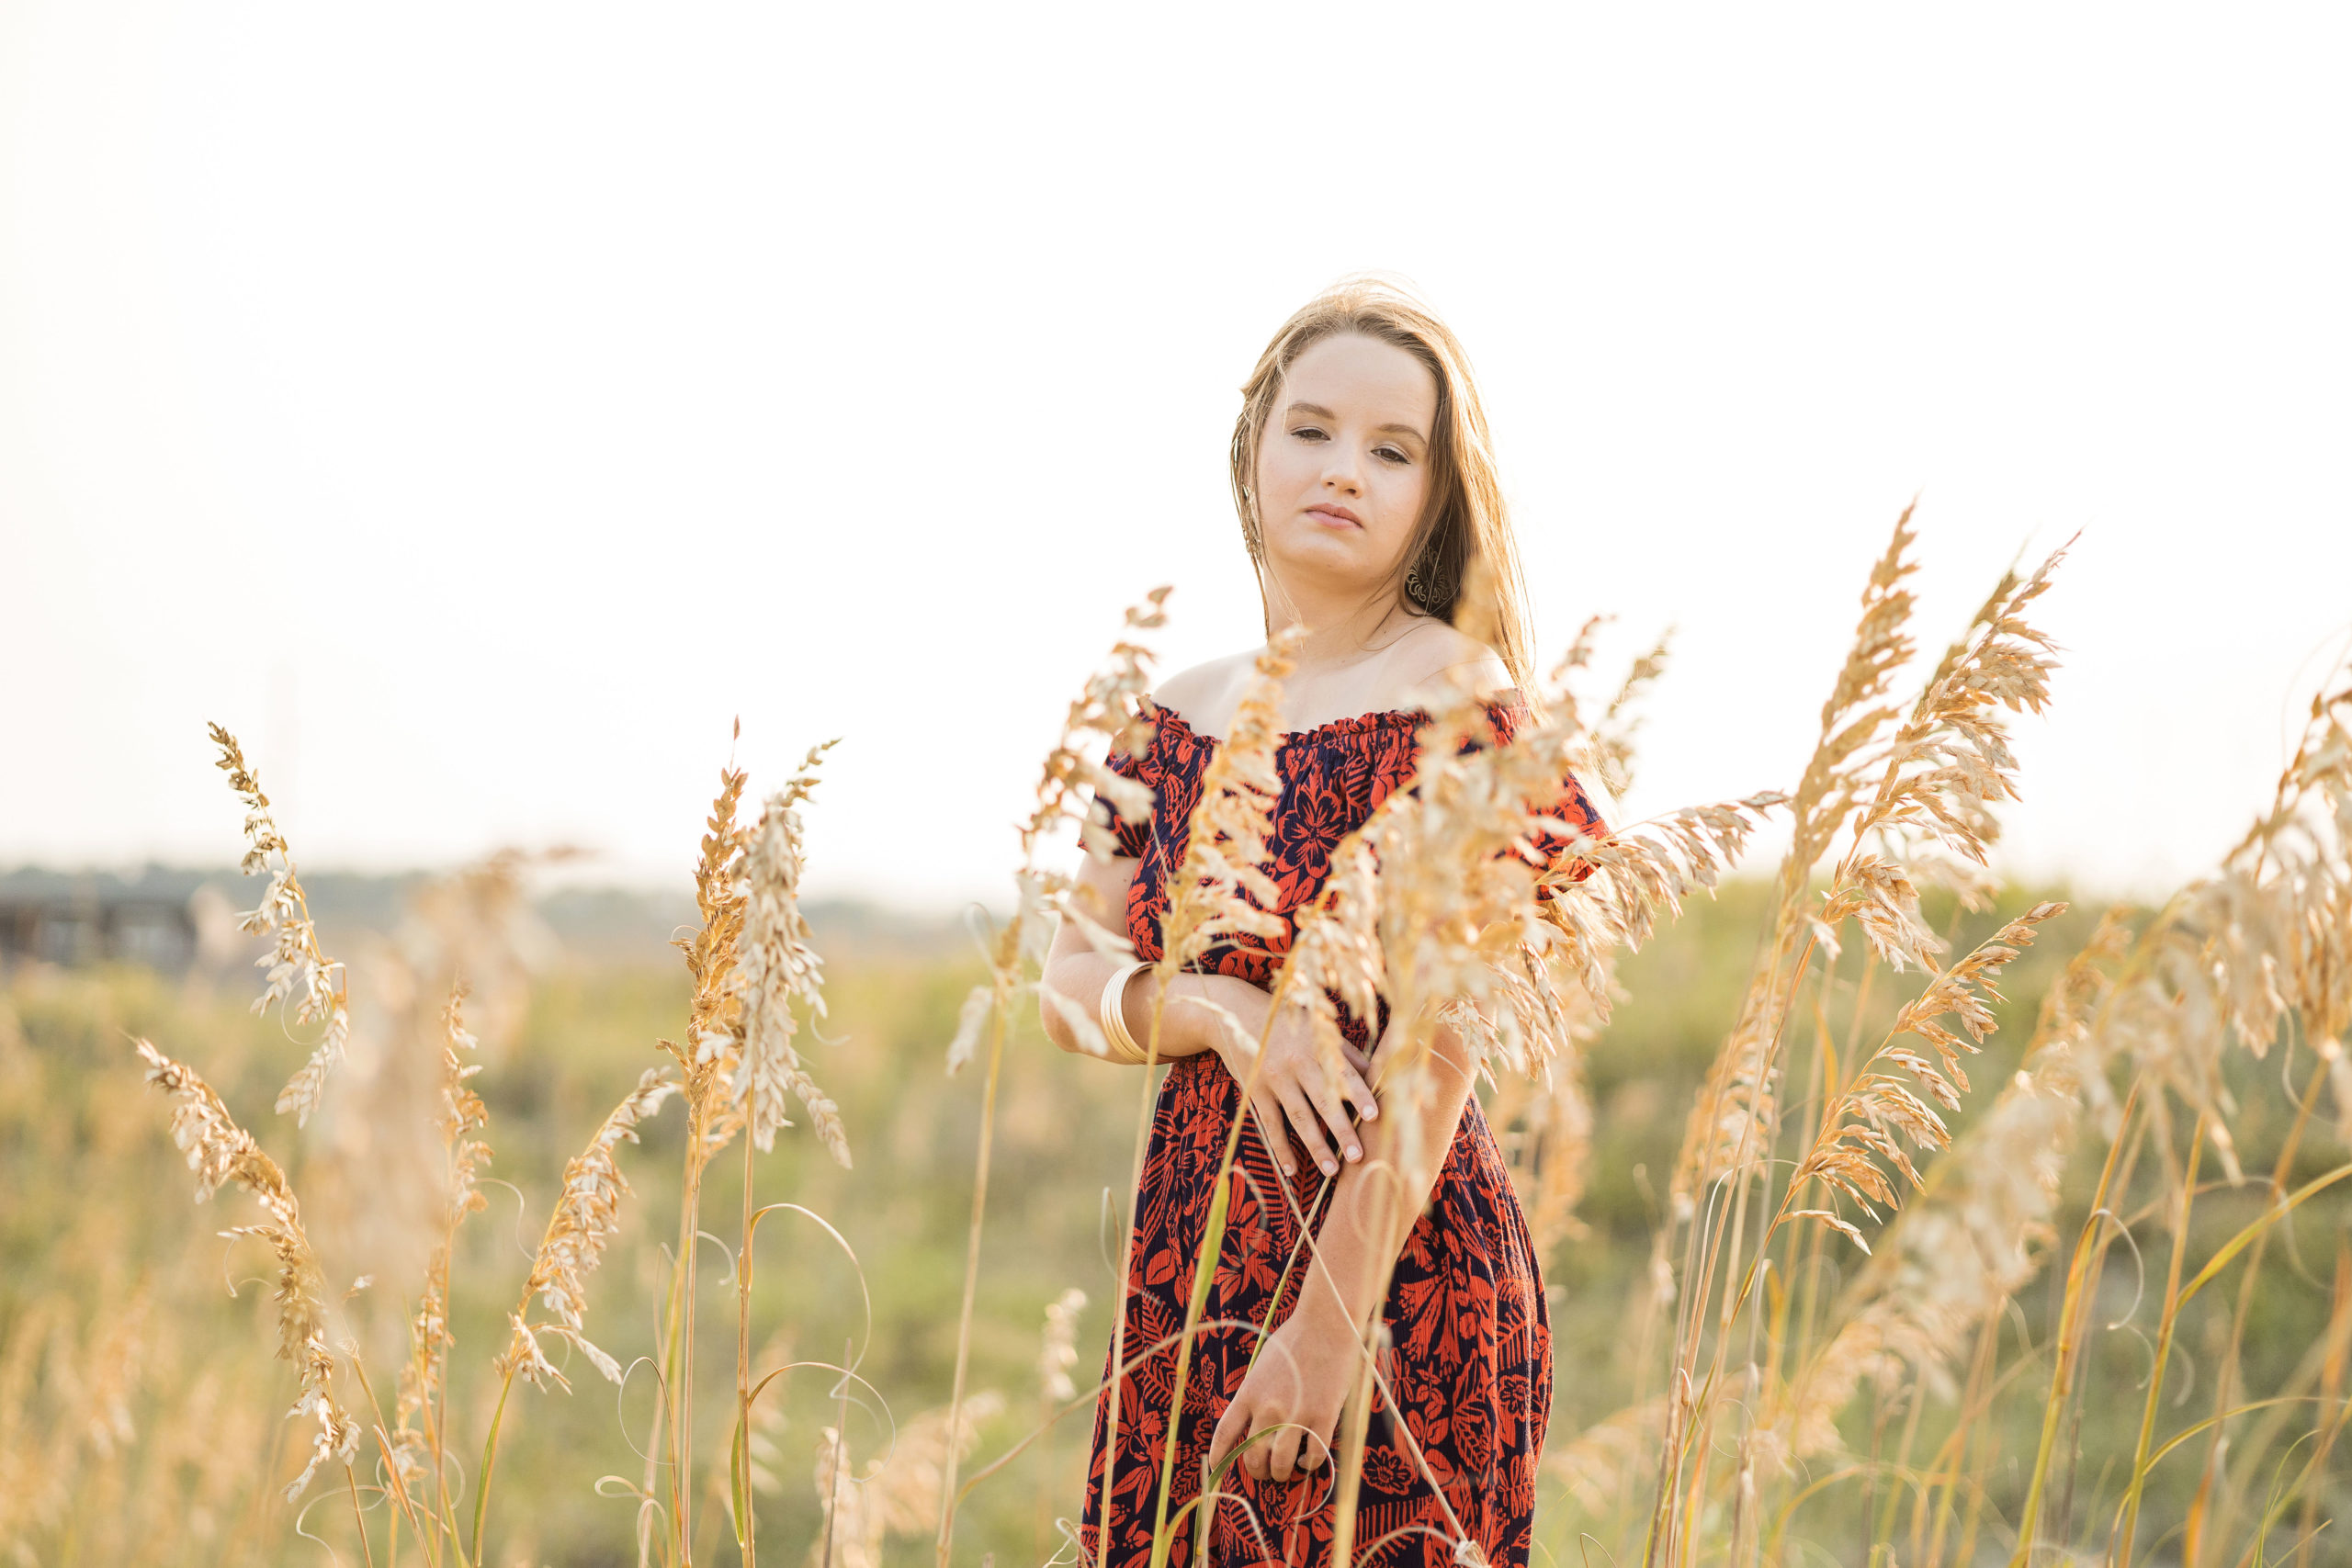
(1164, 974)
(1351, 1460)
(2213, 1511)
(739, 1454)
(681, 1344)
(1203, 1275)
(1951, 1463)
(2332, 1385)
(1204, 1272)
(2167, 1323)
(1883, 1537)
(2073, 1320)
(358, 1520)
(971, 1285)
(1693, 1409)
(428, 1541)
(490, 1458)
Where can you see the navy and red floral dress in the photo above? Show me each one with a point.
(1471, 1362)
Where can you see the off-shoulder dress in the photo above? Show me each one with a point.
(1471, 1364)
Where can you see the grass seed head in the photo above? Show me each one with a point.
(1221, 894)
(1111, 712)
(1057, 1353)
(294, 962)
(220, 1151)
(459, 1115)
(1977, 1234)
(777, 968)
(583, 1222)
(899, 1495)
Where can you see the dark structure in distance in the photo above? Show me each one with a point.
(84, 917)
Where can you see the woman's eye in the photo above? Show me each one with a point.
(1307, 432)
(1393, 455)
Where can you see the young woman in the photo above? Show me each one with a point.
(1366, 490)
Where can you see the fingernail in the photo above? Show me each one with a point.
(1329, 1168)
(1371, 1113)
(1354, 1153)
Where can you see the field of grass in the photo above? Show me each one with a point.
(2111, 1321)
(139, 1402)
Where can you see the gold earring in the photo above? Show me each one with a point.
(1413, 589)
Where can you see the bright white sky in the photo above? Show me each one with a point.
(477, 406)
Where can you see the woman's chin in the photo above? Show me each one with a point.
(1328, 562)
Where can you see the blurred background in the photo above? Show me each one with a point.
(479, 409)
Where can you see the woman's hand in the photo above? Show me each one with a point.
(1293, 1395)
(1292, 1084)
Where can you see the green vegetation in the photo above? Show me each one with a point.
(139, 1403)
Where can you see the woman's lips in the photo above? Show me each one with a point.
(1336, 516)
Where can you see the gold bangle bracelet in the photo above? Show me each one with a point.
(1118, 1044)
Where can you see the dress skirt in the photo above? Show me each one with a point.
(1469, 1358)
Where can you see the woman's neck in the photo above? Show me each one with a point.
(1336, 630)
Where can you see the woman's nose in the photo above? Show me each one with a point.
(1340, 473)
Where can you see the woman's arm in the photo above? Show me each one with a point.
(1301, 1380)
(1289, 1082)
(1077, 973)
(1372, 1209)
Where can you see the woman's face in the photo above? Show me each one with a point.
(1343, 466)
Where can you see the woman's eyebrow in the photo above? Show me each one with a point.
(1319, 412)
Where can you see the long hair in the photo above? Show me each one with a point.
(1461, 555)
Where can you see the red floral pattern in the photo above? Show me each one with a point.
(1471, 1356)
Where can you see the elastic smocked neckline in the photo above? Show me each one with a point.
(1362, 724)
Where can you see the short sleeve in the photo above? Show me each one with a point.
(1573, 807)
(1132, 834)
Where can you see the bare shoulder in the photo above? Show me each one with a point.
(1205, 691)
(1433, 662)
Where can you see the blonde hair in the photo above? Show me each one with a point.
(1462, 552)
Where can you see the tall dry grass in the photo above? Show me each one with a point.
(1866, 1279)
(754, 979)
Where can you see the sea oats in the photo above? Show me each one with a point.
(220, 1151)
(1335, 959)
(1488, 901)
(582, 1223)
(294, 961)
(2269, 933)
(478, 923)
(1928, 784)
(459, 1115)
(1221, 894)
(777, 968)
(899, 1495)
(1731, 1124)
(1460, 864)
(1643, 870)
(1073, 786)
(1613, 732)
(713, 1048)
(1057, 1353)
(1546, 1118)
(1856, 1131)
(971, 1020)
(1943, 770)
(1975, 1235)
